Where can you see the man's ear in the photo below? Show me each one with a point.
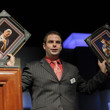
(44, 46)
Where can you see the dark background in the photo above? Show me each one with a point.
(39, 17)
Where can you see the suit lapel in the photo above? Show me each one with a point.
(65, 69)
(47, 67)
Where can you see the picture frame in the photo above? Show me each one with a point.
(99, 42)
(12, 36)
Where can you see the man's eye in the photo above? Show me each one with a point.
(58, 42)
(50, 41)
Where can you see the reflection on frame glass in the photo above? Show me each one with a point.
(12, 35)
(99, 42)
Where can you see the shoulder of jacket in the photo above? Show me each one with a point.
(70, 64)
(33, 63)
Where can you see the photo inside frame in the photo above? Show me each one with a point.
(7, 36)
(101, 43)
(11, 37)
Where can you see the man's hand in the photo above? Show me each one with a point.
(11, 61)
(102, 66)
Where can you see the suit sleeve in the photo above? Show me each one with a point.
(91, 85)
(26, 77)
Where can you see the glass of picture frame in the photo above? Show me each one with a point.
(12, 36)
(99, 42)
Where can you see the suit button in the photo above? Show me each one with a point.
(59, 82)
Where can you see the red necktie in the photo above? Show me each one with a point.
(57, 70)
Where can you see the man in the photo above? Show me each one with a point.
(52, 92)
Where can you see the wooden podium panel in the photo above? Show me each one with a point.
(10, 89)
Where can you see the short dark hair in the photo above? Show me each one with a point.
(49, 33)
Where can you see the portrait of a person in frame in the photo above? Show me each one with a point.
(4, 39)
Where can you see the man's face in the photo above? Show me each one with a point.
(53, 45)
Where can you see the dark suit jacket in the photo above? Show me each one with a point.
(50, 94)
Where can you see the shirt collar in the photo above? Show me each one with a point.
(50, 60)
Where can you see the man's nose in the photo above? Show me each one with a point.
(54, 44)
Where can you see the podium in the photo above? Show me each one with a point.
(10, 88)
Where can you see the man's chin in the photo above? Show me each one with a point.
(55, 54)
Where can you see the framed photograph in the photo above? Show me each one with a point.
(12, 36)
(99, 42)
